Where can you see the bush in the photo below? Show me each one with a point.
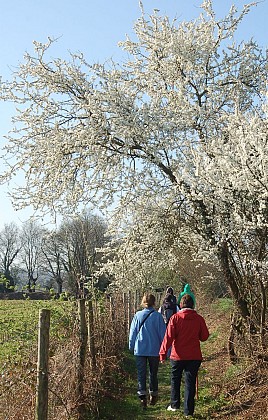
(5, 285)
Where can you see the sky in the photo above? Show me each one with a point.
(94, 28)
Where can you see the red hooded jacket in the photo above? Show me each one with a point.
(184, 332)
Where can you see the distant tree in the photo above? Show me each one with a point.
(32, 236)
(54, 257)
(82, 235)
(10, 246)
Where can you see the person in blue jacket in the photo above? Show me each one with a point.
(146, 334)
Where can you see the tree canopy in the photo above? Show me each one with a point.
(180, 124)
(147, 126)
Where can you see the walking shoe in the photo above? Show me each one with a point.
(153, 399)
(143, 403)
(171, 408)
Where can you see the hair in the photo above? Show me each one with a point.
(148, 300)
(187, 302)
(169, 291)
(167, 298)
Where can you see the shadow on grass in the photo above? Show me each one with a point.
(124, 404)
(127, 405)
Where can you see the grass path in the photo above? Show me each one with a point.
(125, 405)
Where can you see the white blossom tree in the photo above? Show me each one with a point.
(159, 247)
(182, 119)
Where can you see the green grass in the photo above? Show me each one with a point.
(18, 339)
(19, 326)
(223, 305)
(126, 405)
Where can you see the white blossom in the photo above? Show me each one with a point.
(182, 124)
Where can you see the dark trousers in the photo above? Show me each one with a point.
(141, 362)
(190, 368)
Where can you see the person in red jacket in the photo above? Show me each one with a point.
(184, 332)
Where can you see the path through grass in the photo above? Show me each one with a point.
(126, 405)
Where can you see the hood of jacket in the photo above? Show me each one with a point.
(188, 314)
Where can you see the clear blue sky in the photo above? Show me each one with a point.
(94, 28)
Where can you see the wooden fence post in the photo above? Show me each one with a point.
(91, 341)
(112, 309)
(129, 309)
(42, 365)
(81, 356)
(125, 321)
(137, 300)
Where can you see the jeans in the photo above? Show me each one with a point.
(190, 368)
(141, 362)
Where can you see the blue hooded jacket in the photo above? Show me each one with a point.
(147, 340)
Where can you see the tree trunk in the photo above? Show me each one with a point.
(230, 279)
(59, 286)
(231, 339)
(263, 330)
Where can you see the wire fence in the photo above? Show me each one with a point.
(107, 335)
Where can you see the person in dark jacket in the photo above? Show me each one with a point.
(184, 332)
(146, 334)
(168, 308)
(170, 292)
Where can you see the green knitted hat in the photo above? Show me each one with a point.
(186, 291)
